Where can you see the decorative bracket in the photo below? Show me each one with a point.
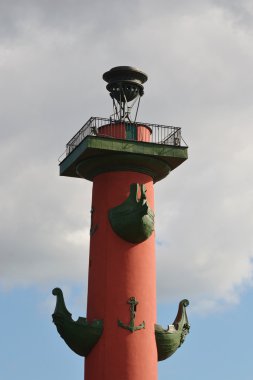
(133, 220)
(131, 327)
(81, 335)
(169, 340)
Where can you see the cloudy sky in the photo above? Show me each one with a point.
(198, 55)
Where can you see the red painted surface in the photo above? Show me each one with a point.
(119, 270)
(143, 133)
(118, 131)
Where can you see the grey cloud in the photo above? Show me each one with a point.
(240, 12)
(102, 18)
(40, 238)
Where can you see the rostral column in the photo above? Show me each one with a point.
(119, 338)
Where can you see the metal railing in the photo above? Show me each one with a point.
(145, 132)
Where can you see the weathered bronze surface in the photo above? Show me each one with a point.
(133, 220)
(131, 327)
(81, 335)
(169, 340)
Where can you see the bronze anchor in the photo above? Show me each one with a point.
(131, 327)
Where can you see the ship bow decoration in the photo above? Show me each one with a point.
(133, 220)
(81, 335)
(169, 340)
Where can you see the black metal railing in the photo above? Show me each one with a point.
(145, 132)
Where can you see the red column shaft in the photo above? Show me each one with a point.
(119, 270)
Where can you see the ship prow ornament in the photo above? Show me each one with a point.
(169, 340)
(81, 336)
(133, 220)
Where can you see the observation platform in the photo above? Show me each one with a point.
(103, 145)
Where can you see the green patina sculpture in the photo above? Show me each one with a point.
(168, 341)
(131, 327)
(81, 336)
(133, 220)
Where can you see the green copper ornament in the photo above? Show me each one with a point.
(81, 335)
(131, 326)
(168, 341)
(133, 220)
